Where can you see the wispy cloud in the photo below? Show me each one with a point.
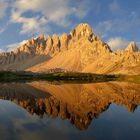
(29, 25)
(123, 25)
(54, 11)
(3, 7)
(115, 7)
(103, 28)
(117, 43)
(13, 46)
(2, 30)
(1, 50)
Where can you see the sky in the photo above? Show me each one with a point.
(117, 22)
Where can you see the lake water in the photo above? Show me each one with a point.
(53, 111)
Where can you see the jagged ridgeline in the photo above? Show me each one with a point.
(79, 51)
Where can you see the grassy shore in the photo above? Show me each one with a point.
(131, 78)
(8, 76)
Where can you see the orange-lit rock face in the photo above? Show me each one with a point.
(80, 50)
(79, 103)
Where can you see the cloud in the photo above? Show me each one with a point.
(3, 7)
(29, 25)
(46, 11)
(13, 46)
(117, 43)
(103, 28)
(81, 8)
(115, 8)
(2, 30)
(1, 50)
(119, 25)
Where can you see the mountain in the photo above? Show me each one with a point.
(80, 50)
(132, 47)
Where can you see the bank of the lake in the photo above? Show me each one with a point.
(8, 76)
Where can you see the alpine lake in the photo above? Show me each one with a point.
(41, 109)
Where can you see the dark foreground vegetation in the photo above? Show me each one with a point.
(8, 76)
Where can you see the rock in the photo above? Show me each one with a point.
(132, 47)
(49, 44)
(82, 30)
(41, 37)
(80, 50)
(64, 41)
(56, 43)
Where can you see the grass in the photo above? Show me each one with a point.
(8, 76)
(69, 77)
(131, 78)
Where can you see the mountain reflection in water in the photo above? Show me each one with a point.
(79, 103)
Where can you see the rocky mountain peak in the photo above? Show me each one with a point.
(81, 50)
(82, 30)
(64, 39)
(41, 36)
(132, 47)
